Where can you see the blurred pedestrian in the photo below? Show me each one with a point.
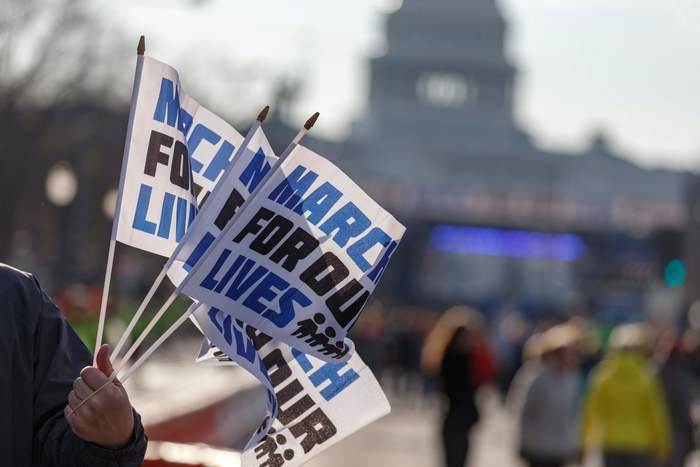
(678, 385)
(549, 394)
(511, 336)
(531, 367)
(625, 413)
(456, 352)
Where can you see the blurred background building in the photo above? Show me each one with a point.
(493, 220)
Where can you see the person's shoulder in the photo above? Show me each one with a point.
(14, 282)
(10, 275)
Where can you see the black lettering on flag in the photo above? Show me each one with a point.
(297, 409)
(154, 155)
(268, 449)
(298, 246)
(275, 359)
(234, 201)
(316, 427)
(309, 327)
(196, 190)
(253, 227)
(272, 234)
(332, 279)
(180, 167)
(341, 297)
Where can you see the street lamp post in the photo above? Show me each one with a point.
(61, 189)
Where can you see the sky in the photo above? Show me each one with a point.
(627, 67)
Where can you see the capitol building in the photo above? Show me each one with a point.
(492, 219)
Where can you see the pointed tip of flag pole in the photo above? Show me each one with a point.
(311, 121)
(263, 114)
(141, 48)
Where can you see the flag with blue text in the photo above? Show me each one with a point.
(176, 153)
(236, 184)
(301, 260)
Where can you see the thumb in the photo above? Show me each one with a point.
(103, 362)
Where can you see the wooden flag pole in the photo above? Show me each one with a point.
(140, 50)
(139, 312)
(149, 296)
(129, 371)
(173, 327)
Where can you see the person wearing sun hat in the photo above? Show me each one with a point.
(549, 390)
(625, 413)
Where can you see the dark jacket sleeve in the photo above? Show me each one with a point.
(59, 356)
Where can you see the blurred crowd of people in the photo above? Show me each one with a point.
(575, 388)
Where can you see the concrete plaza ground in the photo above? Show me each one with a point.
(408, 437)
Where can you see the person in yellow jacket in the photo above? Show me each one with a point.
(624, 413)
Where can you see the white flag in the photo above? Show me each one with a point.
(176, 152)
(236, 184)
(318, 403)
(300, 261)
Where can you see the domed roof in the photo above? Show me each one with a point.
(467, 7)
(447, 30)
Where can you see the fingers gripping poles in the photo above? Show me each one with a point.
(113, 377)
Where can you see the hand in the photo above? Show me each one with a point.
(107, 418)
